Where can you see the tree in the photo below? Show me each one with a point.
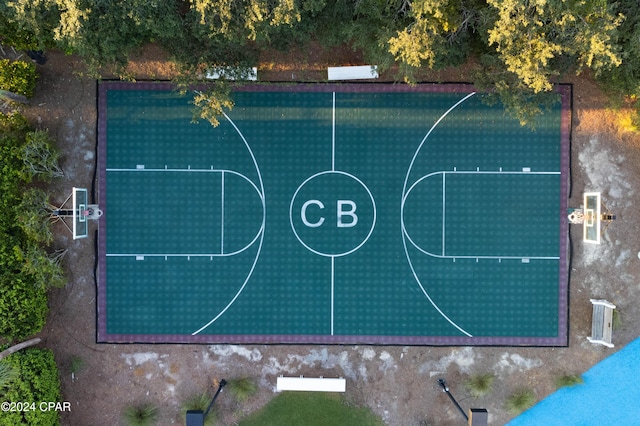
(538, 40)
(39, 157)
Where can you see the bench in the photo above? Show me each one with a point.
(353, 73)
(602, 322)
(310, 384)
(229, 73)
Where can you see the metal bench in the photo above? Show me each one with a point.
(310, 384)
(602, 323)
(353, 73)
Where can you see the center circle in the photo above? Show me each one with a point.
(332, 213)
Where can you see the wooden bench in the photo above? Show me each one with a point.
(602, 322)
(353, 73)
(310, 384)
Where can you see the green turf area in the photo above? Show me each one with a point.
(331, 215)
(311, 409)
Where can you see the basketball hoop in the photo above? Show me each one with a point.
(79, 212)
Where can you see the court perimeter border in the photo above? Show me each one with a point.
(102, 336)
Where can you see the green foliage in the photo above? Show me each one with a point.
(8, 374)
(141, 415)
(522, 399)
(38, 381)
(23, 306)
(39, 156)
(616, 321)
(211, 104)
(539, 40)
(28, 24)
(568, 380)
(311, 409)
(242, 389)
(33, 216)
(436, 34)
(480, 384)
(18, 77)
(200, 402)
(76, 365)
(26, 269)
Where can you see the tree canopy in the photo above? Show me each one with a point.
(525, 45)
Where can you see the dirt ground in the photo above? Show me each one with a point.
(399, 383)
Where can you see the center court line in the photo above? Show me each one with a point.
(444, 206)
(222, 213)
(333, 134)
(333, 264)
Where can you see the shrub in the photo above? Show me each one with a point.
(8, 374)
(18, 77)
(23, 307)
(480, 384)
(242, 388)
(200, 402)
(141, 415)
(37, 381)
(521, 400)
(568, 380)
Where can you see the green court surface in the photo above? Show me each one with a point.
(370, 213)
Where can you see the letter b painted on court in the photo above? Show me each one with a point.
(343, 208)
(351, 213)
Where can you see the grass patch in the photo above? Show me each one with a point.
(311, 409)
(241, 389)
(480, 384)
(616, 320)
(141, 415)
(568, 380)
(521, 400)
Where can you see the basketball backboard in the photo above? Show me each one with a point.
(80, 213)
(592, 218)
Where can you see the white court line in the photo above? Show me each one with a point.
(404, 197)
(333, 134)
(261, 234)
(444, 205)
(460, 172)
(222, 214)
(333, 264)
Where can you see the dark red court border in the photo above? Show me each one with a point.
(102, 336)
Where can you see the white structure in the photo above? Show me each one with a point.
(353, 73)
(310, 384)
(602, 322)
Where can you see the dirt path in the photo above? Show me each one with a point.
(398, 383)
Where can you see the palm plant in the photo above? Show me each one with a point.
(141, 415)
(242, 389)
(568, 380)
(522, 399)
(480, 384)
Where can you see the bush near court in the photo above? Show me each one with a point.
(27, 269)
(18, 77)
(34, 380)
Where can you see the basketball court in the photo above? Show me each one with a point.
(331, 213)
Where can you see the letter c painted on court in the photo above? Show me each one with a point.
(303, 213)
(351, 212)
